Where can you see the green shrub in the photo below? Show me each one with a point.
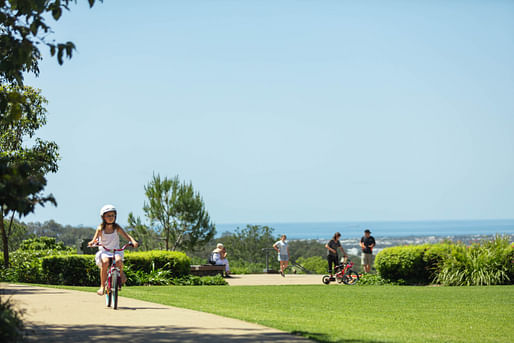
(373, 280)
(25, 263)
(164, 277)
(434, 256)
(403, 264)
(142, 278)
(415, 264)
(141, 268)
(486, 263)
(11, 324)
(178, 263)
(191, 280)
(42, 243)
(315, 264)
(74, 270)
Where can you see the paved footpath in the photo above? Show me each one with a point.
(274, 279)
(58, 316)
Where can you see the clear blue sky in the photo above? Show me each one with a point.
(286, 110)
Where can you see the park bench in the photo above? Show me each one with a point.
(207, 269)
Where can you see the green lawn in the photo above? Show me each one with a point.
(355, 314)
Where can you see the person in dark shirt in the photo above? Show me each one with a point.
(367, 244)
(332, 256)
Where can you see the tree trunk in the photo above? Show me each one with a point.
(5, 241)
(167, 238)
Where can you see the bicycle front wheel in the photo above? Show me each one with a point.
(351, 277)
(114, 290)
(108, 296)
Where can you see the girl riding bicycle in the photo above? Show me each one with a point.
(107, 234)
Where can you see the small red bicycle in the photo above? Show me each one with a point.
(343, 274)
(113, 282)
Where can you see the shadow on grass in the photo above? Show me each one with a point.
(143, 334)
(322, 337)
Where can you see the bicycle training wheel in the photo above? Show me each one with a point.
(326, 279)
(351, 277)
(114, 290)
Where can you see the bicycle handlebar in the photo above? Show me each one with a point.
(113, 250)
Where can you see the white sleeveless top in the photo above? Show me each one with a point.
(110, 240)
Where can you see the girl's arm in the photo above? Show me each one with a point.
(275, 247)
(97, 235)
(128, 237)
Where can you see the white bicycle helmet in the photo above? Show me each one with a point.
(107, 208)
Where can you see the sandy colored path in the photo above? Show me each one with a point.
(274, 279)
(56, 315)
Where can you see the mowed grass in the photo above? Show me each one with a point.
(354, 314)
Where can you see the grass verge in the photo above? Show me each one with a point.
(354, 314)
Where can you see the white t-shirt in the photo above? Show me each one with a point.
(282, 246)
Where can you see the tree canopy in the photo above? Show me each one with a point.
(23, 175)
(23, 29)
(247, 244)
(177, 212)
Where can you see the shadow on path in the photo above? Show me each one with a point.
(141, 334)
(20, 290)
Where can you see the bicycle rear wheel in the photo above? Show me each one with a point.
(351, 277)
(114, 290)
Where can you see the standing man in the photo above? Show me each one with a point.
(367, 244)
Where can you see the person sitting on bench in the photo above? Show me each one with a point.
(219, 257)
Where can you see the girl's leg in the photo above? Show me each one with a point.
(103, 276)
(119, 264)
(282, 268)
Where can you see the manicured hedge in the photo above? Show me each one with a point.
(415, 264)
(81, 270)
(76, 270)
(177, 262)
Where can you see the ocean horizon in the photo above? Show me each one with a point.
(325, 230)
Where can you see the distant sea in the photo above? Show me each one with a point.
(325, 230)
